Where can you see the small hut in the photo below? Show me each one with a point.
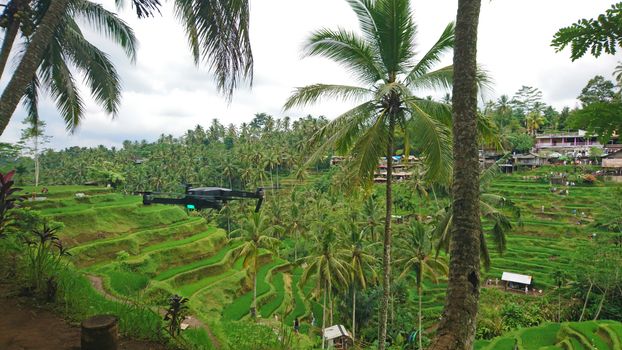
(516, 281)
(338, 337)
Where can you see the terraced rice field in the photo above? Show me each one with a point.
(151, 252)
(147, 253)
(547, 238)
(602, 335)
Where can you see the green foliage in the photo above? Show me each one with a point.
(44, 257)
(175, 314)
(245, 335)
(597, 90)
(596, 35)
(521, 142)
(8, 198)
(603, 119)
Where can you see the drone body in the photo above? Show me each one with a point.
(203, 197)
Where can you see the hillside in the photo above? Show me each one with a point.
(565, 336)
(148, 253)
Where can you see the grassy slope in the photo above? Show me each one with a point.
(601, 335)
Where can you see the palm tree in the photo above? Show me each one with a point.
(383, 60)
(416, 249)
(325, 267)
(361, 262)
(229, 170)
(534, 121)
(255, 232)
(216, 30)
(373, 218)
(456, 330)
(69, 48)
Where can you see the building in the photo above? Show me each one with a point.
(338, 337)
(516, 281)
(521, 161)
(567, 143)
(613, 161)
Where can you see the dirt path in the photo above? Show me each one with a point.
(27, 327)
(98, 283)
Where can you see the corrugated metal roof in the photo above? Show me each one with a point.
(336, 331)
(515, 277)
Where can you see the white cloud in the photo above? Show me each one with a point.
(165, 93)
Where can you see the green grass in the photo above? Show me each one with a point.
(241, 306)
(127, 283)
(269, 308)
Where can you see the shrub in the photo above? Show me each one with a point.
(589, 179)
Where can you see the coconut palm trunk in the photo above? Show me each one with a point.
(420, 292)
(37, 164)
(386, 257)
(324, 315)
(254, 313)
(457, 326)
(587, 298)
(29, 63)
(353, 312)
(10, 35)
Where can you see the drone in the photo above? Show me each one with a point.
(198, 198)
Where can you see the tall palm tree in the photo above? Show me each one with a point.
(373, 217)
(383, 59)
(255, 232)
(416, 255)
(362, 263)
(217, 31)
(324, 265)
(456, 330)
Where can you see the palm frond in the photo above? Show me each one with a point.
(369, 147)
(347, 49)
(434, 141)
(58, 78)
(342, 131)
(31, 101)
(363, 10)
(108, 24)
(441, 79)
(307, 95)
(483, 251)
(444, 43)
(220, 28)
(184, 9)
(100, 74)
(488, 131)
(395, 34)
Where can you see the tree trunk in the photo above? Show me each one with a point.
(587, 297)
(456, 329)
(386, 257)
(324, 316)
(254, 313)
(559, 306)
(600, 305)
(9, 39)
(353, 312)
(31, 60)
(420, 319)
(36, 161)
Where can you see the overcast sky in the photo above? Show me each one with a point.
(163, 92)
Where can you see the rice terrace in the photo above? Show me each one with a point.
(401, 191)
